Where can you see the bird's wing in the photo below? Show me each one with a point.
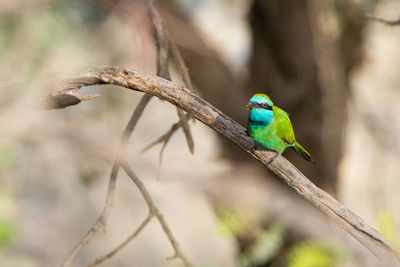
(284, 126)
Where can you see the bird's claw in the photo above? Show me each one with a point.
(273, 158)
(253, 149)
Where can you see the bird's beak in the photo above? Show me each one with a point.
(249, 106)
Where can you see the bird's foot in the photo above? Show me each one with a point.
(273, 158)
(253, 149)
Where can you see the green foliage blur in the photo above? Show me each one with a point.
(387, 227)
(8, 231)
(271, 247)
(315, 253)
(266, 247)
(7, 156)
(231, 222)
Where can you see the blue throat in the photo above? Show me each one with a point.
(261, 116)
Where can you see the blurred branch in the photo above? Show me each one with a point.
(162, 64)
(183, 118)
(161, 42)
(102, 219)
(382, 20)
(165, 138)
(212, 117)
(153, 211)
(181, 66)
(123, 244)
(186, 129)
(72, 97)
(188, 82)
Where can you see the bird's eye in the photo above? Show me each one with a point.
(264, 105)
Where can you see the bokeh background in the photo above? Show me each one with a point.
(332, 69)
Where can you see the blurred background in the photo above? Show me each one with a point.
(334, 71)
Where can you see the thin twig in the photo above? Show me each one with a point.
(102, 219)
(123, 244)
(176, 54)
(153, 211)
(162, 64)
(157, 213)
(186, 129)
(165, 137)
(215, 119)
(162, 71)
(161, 42)
(382, 20)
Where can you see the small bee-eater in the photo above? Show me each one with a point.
(270, 127)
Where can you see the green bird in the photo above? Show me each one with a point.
(270, 127)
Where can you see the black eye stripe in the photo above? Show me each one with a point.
(267, 107)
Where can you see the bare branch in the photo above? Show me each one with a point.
(123, 244)
(153, 211)
(186, 129)
(181, 66)
(188, 82)
(161, 42)
(215, 119)
(162, 65)
(165, 137)
(157, 213)
(72, 98)
(382, 20)
(162, 70)
(102, 219)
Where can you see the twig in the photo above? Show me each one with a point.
(102, 219)
(162, 65)
(161, 42)
(212, 117)
(162, 70)
(181, 66)
(165, 137)
(186, 129)
(123, 244)
(382, 20)
(176, 54)
(153, 208)
(153, 211)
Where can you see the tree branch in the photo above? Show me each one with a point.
(215, 119)
(162, 65)
(102, 219)
(382, 20)
(123, 244)
(165, 137)
(72, 97)
(188, 82)
(153, 211)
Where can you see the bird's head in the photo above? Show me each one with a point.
(260, 101)
(260, 109)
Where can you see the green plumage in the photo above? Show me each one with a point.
(270, 127)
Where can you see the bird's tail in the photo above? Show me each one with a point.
(302, 152)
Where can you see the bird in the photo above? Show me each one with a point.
(270, 127)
